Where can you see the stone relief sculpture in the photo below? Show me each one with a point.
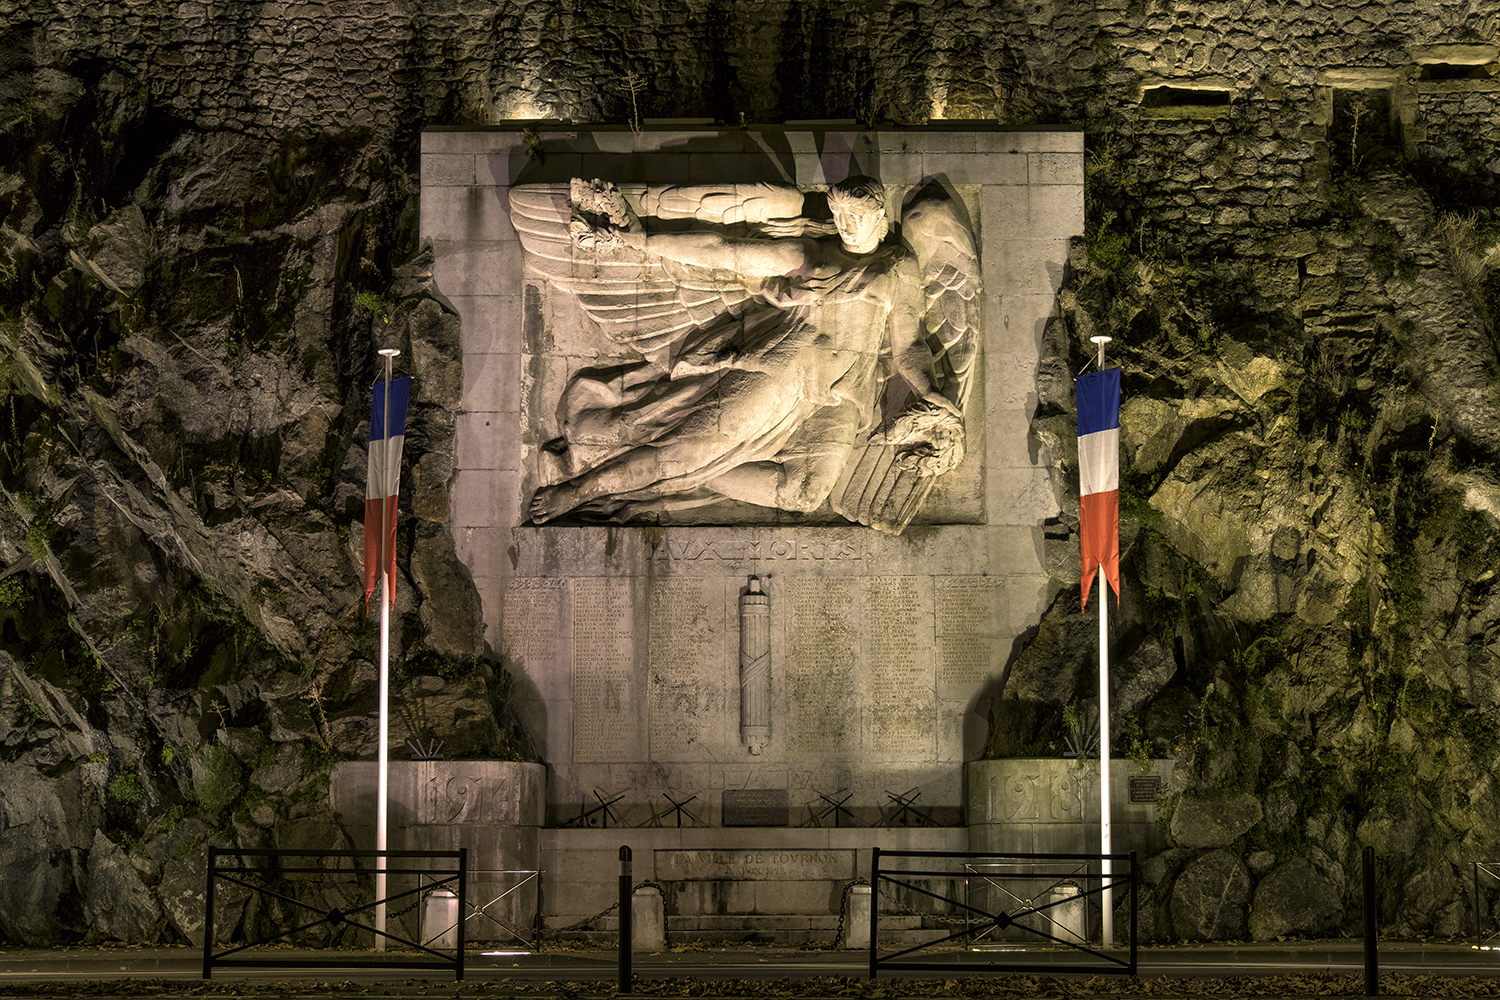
(776, 360)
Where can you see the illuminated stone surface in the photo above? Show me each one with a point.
(878, 643)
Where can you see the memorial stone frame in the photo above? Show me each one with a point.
(667, 637)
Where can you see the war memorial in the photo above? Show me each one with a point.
(738, 520)
(752, 509)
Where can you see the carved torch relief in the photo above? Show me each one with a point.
(750, 358)
(755, 668)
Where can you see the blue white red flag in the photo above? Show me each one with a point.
(1098, 395)
(383, 484)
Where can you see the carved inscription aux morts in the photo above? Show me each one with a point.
(750, 549)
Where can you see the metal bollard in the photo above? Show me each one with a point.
(625, 914)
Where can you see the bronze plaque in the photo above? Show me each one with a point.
(755, 807)
(1145, 789)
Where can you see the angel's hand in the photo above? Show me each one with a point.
(604, 236)
(937, 399)
(633, 237)
(929, 439)
(602, 218)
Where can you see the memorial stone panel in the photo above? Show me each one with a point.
(604, 714)
(533, 608)
(823, 686)
(684, 691)
(895, 578)
(786, 865)
(901, 705)
(970, 642)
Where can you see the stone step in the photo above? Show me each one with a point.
(766, 928)
(727, 922)
(894, 938)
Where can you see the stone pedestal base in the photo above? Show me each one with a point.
(1050, 806)
(493, 808)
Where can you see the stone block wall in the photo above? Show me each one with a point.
(389, 67)
(1460, 128)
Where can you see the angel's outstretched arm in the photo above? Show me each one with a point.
(752, 258)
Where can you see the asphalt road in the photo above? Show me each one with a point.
(20, 967)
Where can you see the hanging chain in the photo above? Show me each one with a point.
(587, 922)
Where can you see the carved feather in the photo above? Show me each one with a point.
(637, 300)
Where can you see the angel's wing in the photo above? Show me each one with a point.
(874, 489)
(637, 299)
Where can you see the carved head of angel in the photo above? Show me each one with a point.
(858, 207)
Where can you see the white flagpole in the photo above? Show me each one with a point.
(383, 793)
(1107, 925)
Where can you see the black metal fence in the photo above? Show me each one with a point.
(1022, 901)
(268, 875)
(1484, 872)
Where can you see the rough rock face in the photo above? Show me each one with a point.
(1215, 819)
(40, 823)
(1209, 897)
(1296, 898)
(117, 906)
(207, 225)
(1309, 501)
(189, 308)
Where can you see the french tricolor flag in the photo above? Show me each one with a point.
(383, 484)
(1098, 395)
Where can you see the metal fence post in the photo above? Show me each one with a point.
(463, 912)
(1372, 945)
(625, 927)
(1478, 927)
(208, 914)
(874, 906)
(1135, 893)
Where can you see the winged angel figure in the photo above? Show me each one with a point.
(765, 348)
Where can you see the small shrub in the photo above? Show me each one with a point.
(36, 542)
(1137, 747)
(126, 789)
(376, 305)
(215, 776)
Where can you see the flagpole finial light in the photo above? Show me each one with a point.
(1099, 340)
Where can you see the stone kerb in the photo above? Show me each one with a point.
(494, 808)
